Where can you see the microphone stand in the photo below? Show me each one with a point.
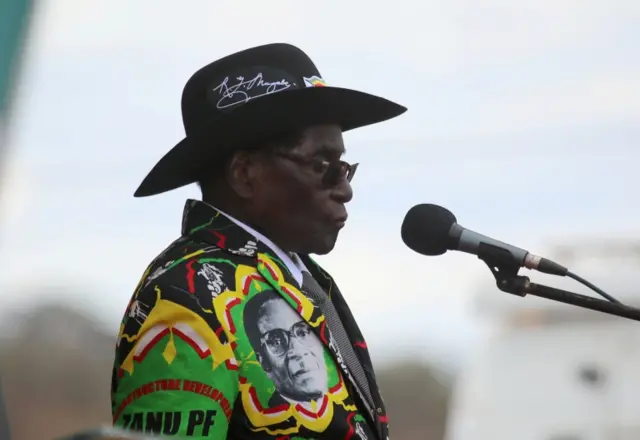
(505, 271)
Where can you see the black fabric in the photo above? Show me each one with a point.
(357, 339)
(313, 290)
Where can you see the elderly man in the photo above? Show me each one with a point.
(234, 331)
(287, 349)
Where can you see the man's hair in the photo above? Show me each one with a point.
(252, 313)
(214, 172)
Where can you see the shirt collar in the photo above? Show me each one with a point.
(291, 260)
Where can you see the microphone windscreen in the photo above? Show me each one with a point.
(426, 227)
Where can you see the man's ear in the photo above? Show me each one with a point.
(264, 363)
(243, 173)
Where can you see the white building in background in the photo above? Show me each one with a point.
(552, 371)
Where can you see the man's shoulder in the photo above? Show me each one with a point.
(180, 285)
(189, 264)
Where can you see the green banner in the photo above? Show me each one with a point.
(14, 20)
(14, 23)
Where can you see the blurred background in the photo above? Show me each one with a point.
(523, 120)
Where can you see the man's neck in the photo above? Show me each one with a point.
(235, 214)
(290, 259)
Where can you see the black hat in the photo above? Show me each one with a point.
(252, 96)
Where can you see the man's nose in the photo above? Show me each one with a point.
(296, 349)
(342, 192)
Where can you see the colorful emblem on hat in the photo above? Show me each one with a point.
(314, 81)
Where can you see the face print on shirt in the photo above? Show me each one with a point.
(286, 347)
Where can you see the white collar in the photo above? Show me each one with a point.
(291, 260)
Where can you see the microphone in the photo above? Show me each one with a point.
(433, 230)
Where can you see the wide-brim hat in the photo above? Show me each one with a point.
(253, 96)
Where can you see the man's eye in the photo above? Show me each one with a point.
(320, 165)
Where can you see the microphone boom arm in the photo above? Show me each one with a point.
(505, 272)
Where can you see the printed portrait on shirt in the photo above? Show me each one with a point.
(286, 347)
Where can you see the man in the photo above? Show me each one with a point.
(234, 331)
(287, 349)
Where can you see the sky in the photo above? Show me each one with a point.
(523, 120)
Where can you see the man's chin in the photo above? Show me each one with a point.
(309, 394)
(323, 247)
(311, 386)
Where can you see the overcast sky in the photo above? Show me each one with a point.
(523, 120)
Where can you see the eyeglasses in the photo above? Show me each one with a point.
(278, 340)
(332, 170)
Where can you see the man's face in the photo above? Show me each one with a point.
(293, 351)
(301, 193)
